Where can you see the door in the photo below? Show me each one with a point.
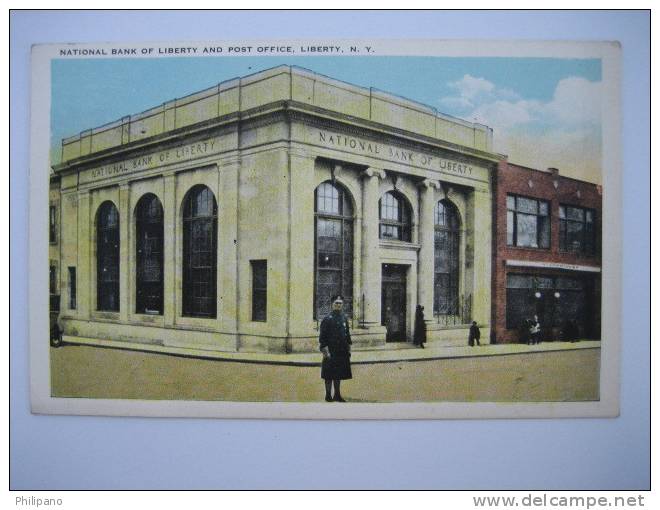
(393, 304)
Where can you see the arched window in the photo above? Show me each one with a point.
(200, 225)
(447, 237)
(149, 255)
(107, 258)
(394, 217)
(334, 248)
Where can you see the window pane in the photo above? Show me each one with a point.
(562, 211)
(543, 208)
(510, 202)
(544, 231)
(527, 205)
(564, 283)
(440, 214)
(519, 281)
(509, 227)
(574, 236)
(526, 231)
(563, 245)
(389, 207)
(575, 213)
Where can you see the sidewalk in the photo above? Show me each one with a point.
(389, 354)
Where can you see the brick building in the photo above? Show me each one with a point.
(546, 253)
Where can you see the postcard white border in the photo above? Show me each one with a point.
(607, 406)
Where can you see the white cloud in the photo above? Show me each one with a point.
(504, 115)
(576, 101)
(471, 87)
(563, 132)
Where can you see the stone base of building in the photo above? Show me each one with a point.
(208, 340)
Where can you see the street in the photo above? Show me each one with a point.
(95, 372)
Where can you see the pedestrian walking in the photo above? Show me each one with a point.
(535, 331)
(419, 337)
(475, 335)
(335, 344)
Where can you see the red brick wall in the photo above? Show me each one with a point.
(514, 179)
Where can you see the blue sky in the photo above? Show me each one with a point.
(544, 112)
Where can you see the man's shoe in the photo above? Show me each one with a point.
(328, 398)
(338, 398)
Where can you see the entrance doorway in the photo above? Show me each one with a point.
(393, 302)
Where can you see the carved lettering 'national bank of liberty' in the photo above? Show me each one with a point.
(225, 220)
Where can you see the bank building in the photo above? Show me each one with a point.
(225, 220)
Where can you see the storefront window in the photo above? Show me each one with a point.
(528, 222)
(149, 255)
(446, 268)
(577, 233)
(555, 300)
(107, 258)
(200, 224)
(394, 217)
(334, 248)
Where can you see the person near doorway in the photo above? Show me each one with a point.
(335, 344)
(535, 331)
(475, 335)
(419, 337)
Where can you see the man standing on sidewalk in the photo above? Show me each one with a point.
(475, 334)
(335, 344)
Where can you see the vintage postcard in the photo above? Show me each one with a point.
(326, 229)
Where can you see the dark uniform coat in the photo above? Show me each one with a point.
(474, 336)
(419, 336)
(337, 338)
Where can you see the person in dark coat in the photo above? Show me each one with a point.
(419, 337)
(535, 331)
(474, 335)
(335, 344)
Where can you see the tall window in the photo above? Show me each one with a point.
(149, 255)
(334, 248)
(447, 238)
(576, 230)
(107, 258)
(52, 278)
(259, 289)
(72, 288)
(200, 224)
(527, 222)
(394, 217)
(52, 224)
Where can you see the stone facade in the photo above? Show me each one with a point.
(263, 144)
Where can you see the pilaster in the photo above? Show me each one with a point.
(228, 172)
(480, 204)
(84, 276)
(301, 242)
(125, 298)
(370, 260)
(426, 239)
(169, 250)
